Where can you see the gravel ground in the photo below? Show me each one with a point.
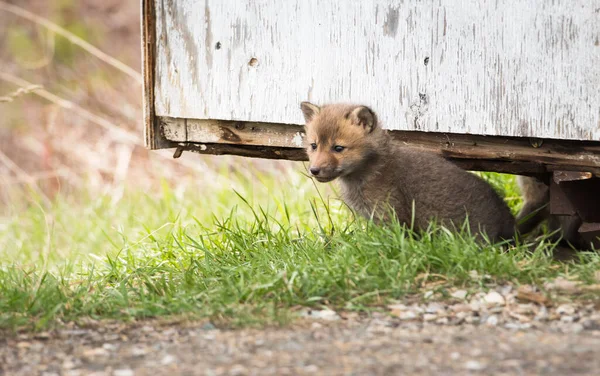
(502, 332)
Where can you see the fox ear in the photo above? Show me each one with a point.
(309, 110)
(364, 117)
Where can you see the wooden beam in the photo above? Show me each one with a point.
(590, 233)
(473, 152)
(562, 176)
(584, 197)
(233, 132)
(153, 137)
(267, 152)
(293, 154)
(559, 201)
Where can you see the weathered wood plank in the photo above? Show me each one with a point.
(173, 129)
(245, 133)
(590, 232)
(487, 153)
(153, 137)
(252, 151)
(148, 45)
(490, 67)
(583, 196)
(272, 152)
(562, 176)
(232, 132)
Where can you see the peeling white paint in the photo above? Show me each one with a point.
(494, 67)
(297, 140)
(174, 131)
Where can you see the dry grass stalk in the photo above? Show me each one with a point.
(19, 92)
(68, 105)
(20, 12)
(22, 174)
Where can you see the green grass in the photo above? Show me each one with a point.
(244, 249)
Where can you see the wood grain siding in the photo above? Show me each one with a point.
(154, 138)
(148, 53)
(488, 67)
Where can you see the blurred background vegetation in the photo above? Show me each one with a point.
(71, 123)
(75, 177)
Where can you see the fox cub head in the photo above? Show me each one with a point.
(341, 139)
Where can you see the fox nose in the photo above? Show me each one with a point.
(315, 171)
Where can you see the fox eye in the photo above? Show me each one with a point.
(313, 146)
(338, 148)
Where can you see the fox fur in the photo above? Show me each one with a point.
(375, 172)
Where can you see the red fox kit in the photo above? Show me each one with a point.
(345, 142)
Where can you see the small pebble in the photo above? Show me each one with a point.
(494, 298)
(168, 359)
(139, 351)
(325, 314)
(567, 319)
(95, 352)
(109, 347)
(123, 372)
(565, 309)
(434, 308)
(429, 317)
(492, 320)
(407, 315)
(473, 365)
(577, 328)
(459, 294)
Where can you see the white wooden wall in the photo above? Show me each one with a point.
(491, 67)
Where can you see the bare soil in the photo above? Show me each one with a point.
(376, 345)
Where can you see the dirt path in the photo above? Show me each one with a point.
(504, 331)
(379, 345)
